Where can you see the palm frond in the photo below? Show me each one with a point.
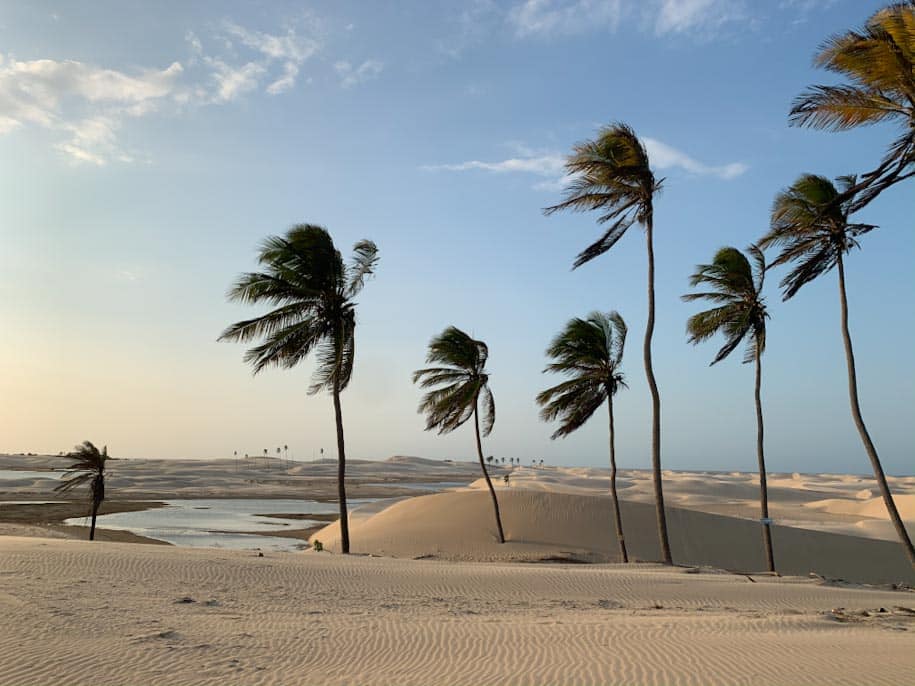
(589, 353)
(611, 175)
(458, 381)
(304, 277)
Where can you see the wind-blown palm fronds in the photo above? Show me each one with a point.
(311, 289)
(459, 384)
(88, 467)
(810, 226)
(879, 62)
(589, 352)
(735, 287)
(612, 175)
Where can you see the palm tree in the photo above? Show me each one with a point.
(589, 352)
(735, 287)
(612, 175)
(459, 383)
(879, 62)
(810, 225)
(305, 279)
(88, 466)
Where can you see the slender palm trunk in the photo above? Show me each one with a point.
(862, 430)
(617, 517)
(655, 404)
(95, 506)
(492, 491)
(341, 475)
(760, 455)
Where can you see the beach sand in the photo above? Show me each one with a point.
(471, 611)
(111, 613)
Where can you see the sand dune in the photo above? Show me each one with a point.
(460, 526)
(321, 618)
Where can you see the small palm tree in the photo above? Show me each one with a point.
(459, 383)
(612, 175)
(305, 279)
(810, 225)
(879, 62)
(88, 467)
(590, 353)
(735, 287)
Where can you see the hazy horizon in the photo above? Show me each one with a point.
(150, 148)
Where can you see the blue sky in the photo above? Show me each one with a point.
(149, 147)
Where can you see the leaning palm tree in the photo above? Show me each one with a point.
(305, 279)
(88, 467)
(879, 62)
(735, 287)
(459, 383)
(810, 225)
(613, 176)
(589, 352)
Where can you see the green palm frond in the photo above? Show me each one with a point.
(306, 282)
(458, 382)
(87, 466)
(879, 63)
(736, 288)
(610, 175)
(590, 353)
(810, 226)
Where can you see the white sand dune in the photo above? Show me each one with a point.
(324, 619)
(460, 525)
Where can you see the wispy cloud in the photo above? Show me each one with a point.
(86, 105)
(82, 101)
(664, 156)
(550, 166)
(564, 17)
(682, 16)
(351, 76)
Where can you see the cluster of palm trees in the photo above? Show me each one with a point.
(311, 288)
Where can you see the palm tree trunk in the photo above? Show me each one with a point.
(618, 518)
(341, 474)
(492, 491)
(655, 404)
(95, 506)
(862, 430)
(760, 455)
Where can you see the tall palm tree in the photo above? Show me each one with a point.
(459, 383)
(589, 352)
(735, 287)
(88, 467)
(810, 225)
(613, 176)
(305, 279)
(879, 62)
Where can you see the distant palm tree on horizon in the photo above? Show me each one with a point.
(736, 286)
(312, 289)
(458, 384)
(590, 353)
(879, 62)
(810, 225)
(612, 175)
(88, 466)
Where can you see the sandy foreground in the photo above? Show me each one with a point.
(432, 597)
(113, 613)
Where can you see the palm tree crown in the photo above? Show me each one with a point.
(589, 351)
(88, 466)
(458, 382)
(312, 290)
(612, 175)
(810, 225)
(736, 288)
(879, 62)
